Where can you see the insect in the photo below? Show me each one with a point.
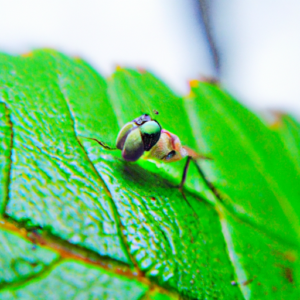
(146, 135)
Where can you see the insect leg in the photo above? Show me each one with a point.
(182, 183)
(208, 183)
(185, 172)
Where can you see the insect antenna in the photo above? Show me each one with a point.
(100, 143)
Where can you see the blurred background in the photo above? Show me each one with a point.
(251, 46)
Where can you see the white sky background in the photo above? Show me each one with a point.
(259, 41)
(161, 35)
(260, 47)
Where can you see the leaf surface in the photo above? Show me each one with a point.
(115, 228)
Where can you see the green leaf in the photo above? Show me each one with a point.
(259, 184)
(50, 167)
(289, 131)
(73, 280)
(124, 230)
(21, 259)
(251, 167)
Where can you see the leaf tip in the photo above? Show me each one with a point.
(119, 68)
(142, 70)
(27, 54)
(193, 83)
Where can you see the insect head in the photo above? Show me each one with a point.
(138, 136)
(145, 134)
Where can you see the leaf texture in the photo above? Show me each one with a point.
(141, 237)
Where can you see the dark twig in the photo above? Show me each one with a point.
(205, 7)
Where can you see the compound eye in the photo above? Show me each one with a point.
(123, 134)
(150, 131)
(170, 154)
(133, 147)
